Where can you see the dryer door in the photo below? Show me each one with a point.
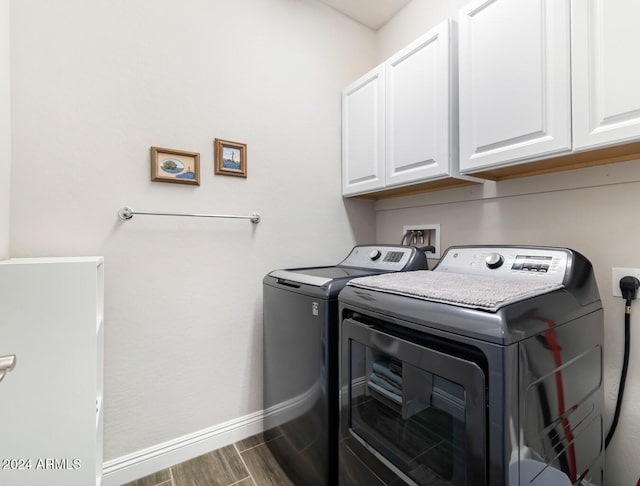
(412, 410)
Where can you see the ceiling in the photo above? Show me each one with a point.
(372, 13)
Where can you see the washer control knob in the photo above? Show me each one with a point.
(375, 254)
(494, 260)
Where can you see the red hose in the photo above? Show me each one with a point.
(552, 341)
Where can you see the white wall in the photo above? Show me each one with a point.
(95, 84)
(416, 18)
(5, 128)
(589, 210)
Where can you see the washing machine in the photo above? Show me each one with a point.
(485, 371)
(300, 318)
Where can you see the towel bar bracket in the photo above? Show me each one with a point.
(7, 363)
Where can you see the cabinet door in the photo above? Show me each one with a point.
(515, 100)
(363, 134)
(47, 403)
(606, 75)
(418, 100)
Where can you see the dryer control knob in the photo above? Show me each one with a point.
(494, 260)
(375, 254)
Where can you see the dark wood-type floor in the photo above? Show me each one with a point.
(245, 463)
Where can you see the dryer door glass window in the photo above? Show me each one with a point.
(418, 418)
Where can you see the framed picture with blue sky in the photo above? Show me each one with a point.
(230, 158)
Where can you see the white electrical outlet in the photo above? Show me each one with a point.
(617, 273)
(434, 230)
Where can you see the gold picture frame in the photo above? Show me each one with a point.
(179, 166)
(230, 158)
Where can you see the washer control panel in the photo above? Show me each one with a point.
(381, 257)
(549, 264)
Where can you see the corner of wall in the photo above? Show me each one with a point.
(416, 18)
(5, 128)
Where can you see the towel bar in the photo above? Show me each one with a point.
(126, 213)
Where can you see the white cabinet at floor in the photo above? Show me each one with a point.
(515, 76)
(400, 120)
(51, 315)
(606, 98)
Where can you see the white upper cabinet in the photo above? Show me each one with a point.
(418, 104)
(606, 81)
(399, 122)
(363, 134)
(515, 81)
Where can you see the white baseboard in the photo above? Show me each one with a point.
(147, 461)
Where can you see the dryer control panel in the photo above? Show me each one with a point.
(548, 264)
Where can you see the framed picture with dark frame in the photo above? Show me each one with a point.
(230, 158)
(179, 166)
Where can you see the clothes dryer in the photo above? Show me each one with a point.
(485, 371)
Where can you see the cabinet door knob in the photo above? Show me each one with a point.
(7, 363)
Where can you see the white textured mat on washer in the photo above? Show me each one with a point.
(473, 291)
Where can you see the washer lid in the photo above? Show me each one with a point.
(318, 276)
